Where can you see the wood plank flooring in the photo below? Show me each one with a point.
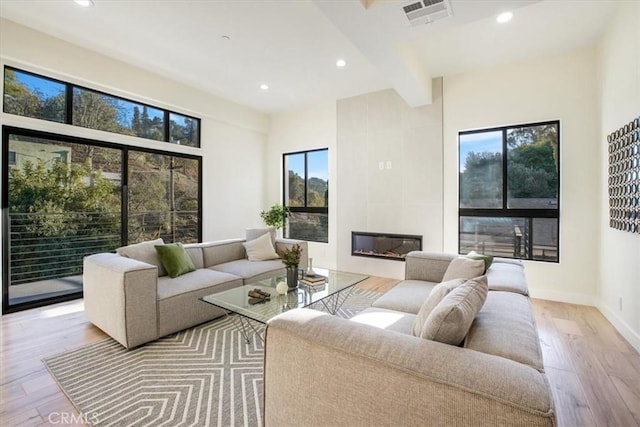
(594, 373)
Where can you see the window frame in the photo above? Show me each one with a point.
(505, 212)
(124, 234)
(69, 90)
(285, 174)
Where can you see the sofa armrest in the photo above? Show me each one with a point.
(282, 244)
(340, 372)
(428, 266)
(120, 297)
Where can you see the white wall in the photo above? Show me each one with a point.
(233, 137)
(298, 130)
(619, 252)
(405, 198)
(561, 87)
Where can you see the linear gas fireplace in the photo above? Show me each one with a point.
(384, 245)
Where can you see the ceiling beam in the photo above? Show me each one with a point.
(396, 62)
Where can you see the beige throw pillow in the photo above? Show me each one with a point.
(450, 321)
(463, 268)
(260, 249)
(145, 252)
(440, 291)
(254, 233)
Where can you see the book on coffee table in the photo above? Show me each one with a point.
(314, 278)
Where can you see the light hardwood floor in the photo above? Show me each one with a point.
(594, 373)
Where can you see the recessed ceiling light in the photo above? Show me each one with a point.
(84, 3)
(504, 17)
(264, 86)
(341, 63)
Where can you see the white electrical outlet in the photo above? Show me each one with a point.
(381, 165)
(388, 164)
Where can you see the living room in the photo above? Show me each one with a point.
(591, 86)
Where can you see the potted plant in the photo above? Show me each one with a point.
(275, 216)
(291, 259)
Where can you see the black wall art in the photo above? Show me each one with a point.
(624, 177)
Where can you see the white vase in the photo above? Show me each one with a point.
(310, 271)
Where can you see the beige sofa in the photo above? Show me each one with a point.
(371, 370)
(134, 301)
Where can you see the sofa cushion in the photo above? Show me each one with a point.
(507, 276)
(252, 271)
(406, 296)
(450, 320)
(427, 266)
(382, 318)
(175, 259)
(437, 294)
(193, 281)
(506, 327)
(260, 249)
(463, 268)
(254, 233)
(195, 253)
(222, 251)
(145, 252)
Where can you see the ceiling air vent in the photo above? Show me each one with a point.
(427, 11)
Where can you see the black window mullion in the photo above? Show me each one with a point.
(504, 170)
(167, 136)
(306, 178)
(124, 198)
(68, 94)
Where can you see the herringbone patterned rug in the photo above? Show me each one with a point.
(204, 376)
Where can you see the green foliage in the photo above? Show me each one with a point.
(532, 171)
(275, 216)
(291, 256)
(318, 191)
(481, 181)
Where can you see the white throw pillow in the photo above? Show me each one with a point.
(463, 268)
(437, 294)
(450, 321)
(260, 249)
(145, 252)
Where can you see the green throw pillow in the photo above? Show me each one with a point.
(175, 259)
(488, 259)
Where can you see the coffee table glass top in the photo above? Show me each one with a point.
(237, 299)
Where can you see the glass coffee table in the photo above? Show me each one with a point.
(331, 295)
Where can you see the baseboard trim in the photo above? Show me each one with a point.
(568, 297)
(621, 326)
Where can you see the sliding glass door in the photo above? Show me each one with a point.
(66, 198)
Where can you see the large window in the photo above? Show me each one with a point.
(306, 194)
(509, 191)
(32, 95)
(65, 198)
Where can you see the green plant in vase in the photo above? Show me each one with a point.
(291, 259)
(275, 216)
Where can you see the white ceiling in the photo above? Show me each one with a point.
(292, 45)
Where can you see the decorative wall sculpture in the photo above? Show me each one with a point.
(624, 177)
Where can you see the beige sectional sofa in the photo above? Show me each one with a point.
(371, 369)
(130, 297)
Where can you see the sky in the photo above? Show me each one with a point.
(480, 142)
(318, 164)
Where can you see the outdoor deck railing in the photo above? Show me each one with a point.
(52, 245)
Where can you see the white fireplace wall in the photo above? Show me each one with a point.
(389, 169)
